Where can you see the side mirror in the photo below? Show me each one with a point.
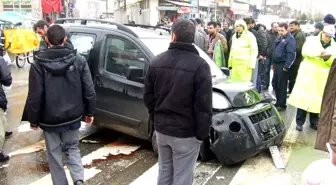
(135, 74)
(225, 70)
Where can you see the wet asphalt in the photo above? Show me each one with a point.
(28, 168)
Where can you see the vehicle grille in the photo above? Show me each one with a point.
(274, 131)
(256, 118)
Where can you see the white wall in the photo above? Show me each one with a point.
(154, 12)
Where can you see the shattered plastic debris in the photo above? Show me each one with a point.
(110, 149)
(4, 166)
(90, 141)
(220, 177)
(30, 149)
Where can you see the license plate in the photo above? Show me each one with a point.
(277, 159)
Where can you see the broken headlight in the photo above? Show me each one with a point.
(219, 101)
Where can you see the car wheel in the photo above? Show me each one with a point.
(154, 143)
(205, 153)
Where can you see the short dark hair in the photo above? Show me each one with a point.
(56, 35)
(219, 24)
(40, 24)
(273, 23)
(193, 21)
(283, 25)
(248, 21)
(296, 23)
(198, 20)
(213, 23)
(184, 30)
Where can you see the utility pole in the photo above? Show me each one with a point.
(106, 8)
(265, 8)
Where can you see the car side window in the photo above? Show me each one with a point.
(83, 43)
(124, 58)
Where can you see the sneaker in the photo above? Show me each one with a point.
(8, 133)
(3, 157)
(299, 128)
(79, 182)
(314, 127)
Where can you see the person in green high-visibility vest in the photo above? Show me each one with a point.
(218, 54)
(216, 44)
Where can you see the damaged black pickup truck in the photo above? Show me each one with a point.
(244, 121)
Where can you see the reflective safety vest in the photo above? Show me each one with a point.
(312, 77)
(218, 56)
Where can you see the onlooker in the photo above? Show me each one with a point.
(244, 51)
(219, 29)
(318, 28)
(282, 60)
(60, 92)
(330, 20)
(319, 52)
(6, 80)
(271, 37)
(324, 133)
(228, 32)
(216, 39)
(41, 28)
(182, 109)
(262, 46)
(199, 26)
(200, 39)
(300, 39)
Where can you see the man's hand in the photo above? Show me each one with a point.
(325, 57)
(284, 69)
(333, 158)
(272, 67)
(210, 51)
(34, 128)
(89, 120)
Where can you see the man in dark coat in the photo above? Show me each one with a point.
(60, 93)
(182, 109)
(271, 37)
(329, 20)
(300, 38)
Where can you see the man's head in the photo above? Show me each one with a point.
(183, 31)
(212, 27)
(329, 20)
(283, 29)
(240, 26)
(275, 27)
(226, 25)
(41, 27)
(56, 36)
(199, 21)
(249, 23)
(328, 33)
(294, 26)
(318, 27)
(219, 26)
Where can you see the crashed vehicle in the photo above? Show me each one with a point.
(244, 122)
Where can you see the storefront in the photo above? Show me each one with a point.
(169, 10)
(25, 7)
(240, 10)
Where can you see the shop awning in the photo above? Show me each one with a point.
(180, 3)
(49, 5)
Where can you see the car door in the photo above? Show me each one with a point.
(119, 85)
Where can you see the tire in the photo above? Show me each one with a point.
(154, 143)
(20, 64)
(205, 153)
(28, 56)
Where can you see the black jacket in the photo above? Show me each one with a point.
(261, 41)
(178, 92)
(284, 51)
(300, 38)
(6, 80)
(271, 37)
(61, 90)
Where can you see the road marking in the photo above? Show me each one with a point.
(261, 168)
(30, 149)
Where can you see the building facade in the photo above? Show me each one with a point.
(26, 7)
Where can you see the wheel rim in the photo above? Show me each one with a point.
(21, 60)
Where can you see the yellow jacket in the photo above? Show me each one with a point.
(243, 54)
(312, 76)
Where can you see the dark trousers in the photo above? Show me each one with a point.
(281, 83)
(293, 72)
(265, 77)
(301, 117)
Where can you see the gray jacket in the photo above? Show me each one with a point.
(200, 40)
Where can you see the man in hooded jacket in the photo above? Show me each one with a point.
(244, 52)
(61, 92)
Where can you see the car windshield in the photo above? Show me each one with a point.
(160, 45)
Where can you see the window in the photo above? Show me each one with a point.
(83, 43)
(121, 56)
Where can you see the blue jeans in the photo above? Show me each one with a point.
(265, 77)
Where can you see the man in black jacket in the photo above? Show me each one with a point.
(6, 80)
(300, 38)
(271, 37)
(178, 95)
(61, 92)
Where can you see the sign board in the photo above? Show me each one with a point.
(224, 3)
(194, 3)
(184, 10)
(169, 8)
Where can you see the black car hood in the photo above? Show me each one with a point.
(240, 94)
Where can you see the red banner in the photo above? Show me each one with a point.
(49, 5)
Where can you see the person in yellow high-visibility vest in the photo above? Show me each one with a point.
(244, 52)
(319, 53)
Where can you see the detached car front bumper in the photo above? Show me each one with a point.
(240, 134)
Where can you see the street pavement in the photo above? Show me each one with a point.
(112, 158)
